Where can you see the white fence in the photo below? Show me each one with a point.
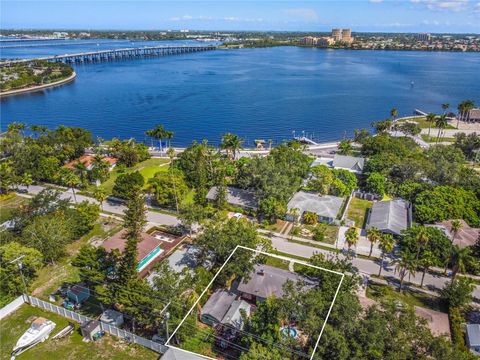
(112, 330)
(11, 307)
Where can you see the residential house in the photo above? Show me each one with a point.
(176, 354)
(266, 281)
(148, 249)
(244, 199)
(326, 207)
(224, 308)
(465, 237)
(87, 160)
(350, 163)
(390, 217)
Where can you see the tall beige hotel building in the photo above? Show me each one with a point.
(344, 35)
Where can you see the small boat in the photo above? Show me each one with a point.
(38, 331)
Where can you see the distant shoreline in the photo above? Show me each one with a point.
(40, 87)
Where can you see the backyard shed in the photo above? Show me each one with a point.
(112, 317)
(78, 294)
(90, 329)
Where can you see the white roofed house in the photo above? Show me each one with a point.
(473, 338)
(223, 308)
(326, 207)
(390, 217)
(350, 163)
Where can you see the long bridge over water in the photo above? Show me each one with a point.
(105, 55)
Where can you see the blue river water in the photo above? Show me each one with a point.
(263, 93)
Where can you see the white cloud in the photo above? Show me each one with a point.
(450, 5)
(376, 1)
(302, 13)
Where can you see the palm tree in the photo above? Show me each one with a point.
(456, 227)
(38, 129)
(373, 235)
(441, 123)
(100, 195)
(351, 237)
(430, 118)
(231, 143)
(422, 239)
(469, 105)
(169, 137)
(427, 260)
(461, 257)
(81, 171)
(100, 168)
(158, 133)
(445, 107)
(345, 147)
(405, 264)
(387, 244)
(394, 113)
(71, 180)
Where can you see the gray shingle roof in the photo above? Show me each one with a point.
(266, 281)
(390, 216)
(218, 304)
(233, 317)
(348, 162)
(327, 206)
(236, 197)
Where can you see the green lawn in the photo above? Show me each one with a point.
(433, 138)
(201, 341)
(8, 204)
(384, 292)
(147, 168)
(69, 348)
(276, 262)
(357, 211)
(422, 122)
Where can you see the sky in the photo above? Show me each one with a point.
(435, 16)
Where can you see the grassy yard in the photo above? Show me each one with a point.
(69, 348)
(147, 168)
(8, 204)
(201, 342)
(276, 262)
(50, 277)
(422, 122)
(433, 138)
(357, 211)
(409, 297)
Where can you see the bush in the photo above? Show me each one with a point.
(126, 184)
(319, 232)
(456, 321)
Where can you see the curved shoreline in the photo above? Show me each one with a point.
(38, 88)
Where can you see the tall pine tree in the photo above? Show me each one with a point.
(134, 222)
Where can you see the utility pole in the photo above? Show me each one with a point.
(20, 266)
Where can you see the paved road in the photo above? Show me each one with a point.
(108, 206)
(367, 267)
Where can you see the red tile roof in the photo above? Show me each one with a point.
(88, 159)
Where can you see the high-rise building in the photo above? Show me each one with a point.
(422, 37)
(309, 40)
(347, 35)
(337, 34)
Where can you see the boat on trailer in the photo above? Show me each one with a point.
(39, 331)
